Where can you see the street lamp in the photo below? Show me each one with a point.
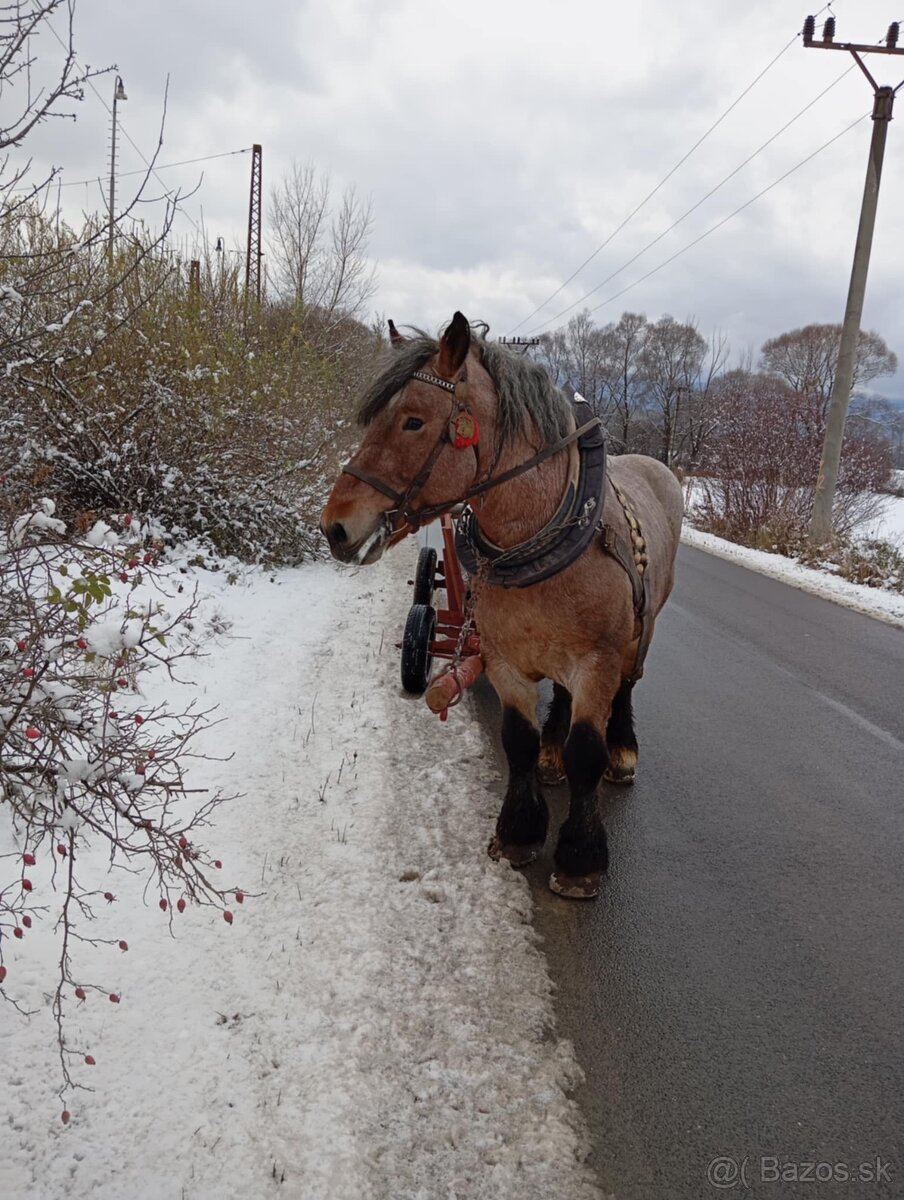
(119, 93)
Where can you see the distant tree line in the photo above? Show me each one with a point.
(660, 386)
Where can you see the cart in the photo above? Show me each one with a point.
(433, 632)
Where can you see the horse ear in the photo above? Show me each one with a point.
(454, 346)
(395, 338)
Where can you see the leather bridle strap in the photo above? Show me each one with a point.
(402, 500)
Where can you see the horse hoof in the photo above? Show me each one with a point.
(576, 887)
(551, 765)
(622, 776)
(518, 856)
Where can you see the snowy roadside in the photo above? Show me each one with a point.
(378, 1020)
(874, 602)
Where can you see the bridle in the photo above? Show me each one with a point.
(460, 430)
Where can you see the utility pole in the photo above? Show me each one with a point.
(254, 253)
(119, 93)
(883, 103)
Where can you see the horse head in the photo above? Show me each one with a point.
(421, 448)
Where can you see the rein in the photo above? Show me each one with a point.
(414, 517)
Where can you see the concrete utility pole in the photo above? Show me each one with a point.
(883, 103)
(119, 93)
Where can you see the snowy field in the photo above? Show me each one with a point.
(377, 1023)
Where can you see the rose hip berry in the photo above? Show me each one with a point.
(114, 999)
(31, 733)
(240, 897)
(65, 1115)
(180, 904)
(28, 859)
(164, 905)
(80, 993)
(109, 897)
(26, 885)
(89, 1059)
(123, 946)
(227, 917)
(26, 921)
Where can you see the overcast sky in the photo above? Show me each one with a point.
(503, 142)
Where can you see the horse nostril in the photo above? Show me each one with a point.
(336, 534)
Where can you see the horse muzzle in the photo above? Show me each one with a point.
(360, 551)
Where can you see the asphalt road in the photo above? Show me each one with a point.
(737, 992)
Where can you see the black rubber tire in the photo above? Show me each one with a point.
(425, 576)
(417, 660)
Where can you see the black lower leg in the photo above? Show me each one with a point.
(524, 816)
(582, 848)
(620, 737)
(558, 719)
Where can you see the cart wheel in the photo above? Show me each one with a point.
(417, 660)
(425, 576)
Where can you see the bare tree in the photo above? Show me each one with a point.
(806, 360)
(622, 347)
(320, 258)
(671, 362)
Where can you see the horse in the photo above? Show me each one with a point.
(463, 418)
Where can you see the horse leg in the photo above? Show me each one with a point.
(552, 739)
(582, 853)
(621, 741)
(524, 817)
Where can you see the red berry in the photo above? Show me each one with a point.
(23, 645)
(109, 897)
(227, 917)
(114, 999)
(240, 897)
(80, 993)
(123, 945)
(180, 904)
(123, 577)
(148, 559)
(122, 683)
(164, 905)
(82, 644)
(28, 672)
(17, 932)
(2, 974)
(26, 921)
(133, 563)
(152, 754)
(127, 520)
(139, 770)
(32, 733)
(61, 850)
(139, 719)
(183, 843)
(218, 864)
(26, 885)
(65, 1115)
(89, 1059)
(28, 859)
(114, 716)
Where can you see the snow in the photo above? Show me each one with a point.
(875, 602)
(377, 1021)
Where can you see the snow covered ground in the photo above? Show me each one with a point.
(888, 525)
(377, 1022)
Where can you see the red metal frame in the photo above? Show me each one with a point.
(450, 682)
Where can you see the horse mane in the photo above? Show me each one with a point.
(525, 394)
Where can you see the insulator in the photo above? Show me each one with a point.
(809, 29)
(828, 30)
(893, 30)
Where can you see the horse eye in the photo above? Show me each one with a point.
(413, 423)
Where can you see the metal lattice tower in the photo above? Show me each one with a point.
(254, 252)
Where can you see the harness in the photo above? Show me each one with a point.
(561, 540)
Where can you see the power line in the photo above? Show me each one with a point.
(731, 215)
(649, 196)
(185, 162)
(701, 201)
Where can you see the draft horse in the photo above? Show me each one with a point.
(570, 564)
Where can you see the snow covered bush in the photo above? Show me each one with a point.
(92, 769)
(762, 461)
